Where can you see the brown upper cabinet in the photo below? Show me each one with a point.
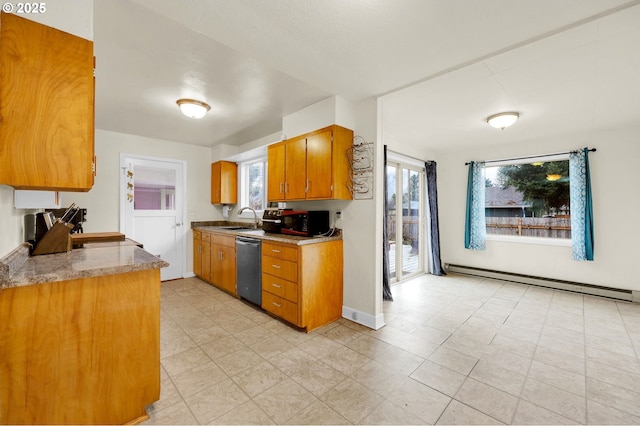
(312, 166)
(46, 107)
(224, 182)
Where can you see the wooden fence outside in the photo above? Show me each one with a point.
(548, 227)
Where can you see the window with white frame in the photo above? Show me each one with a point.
(253, 185)
(528, 199)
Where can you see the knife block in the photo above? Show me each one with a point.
(55, 240)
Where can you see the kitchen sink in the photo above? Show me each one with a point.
(235, 228)
(252, 231)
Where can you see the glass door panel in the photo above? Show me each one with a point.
(391, 219)
(405, 221)
(411, 259)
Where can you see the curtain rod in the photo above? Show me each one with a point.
(534, 156)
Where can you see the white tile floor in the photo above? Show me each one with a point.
(455, 350)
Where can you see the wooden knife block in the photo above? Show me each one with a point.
(55, 240)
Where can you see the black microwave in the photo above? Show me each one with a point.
(305, 223)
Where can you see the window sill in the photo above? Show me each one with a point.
(562, 242)
(249, 214)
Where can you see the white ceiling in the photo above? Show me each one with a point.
(441, 66)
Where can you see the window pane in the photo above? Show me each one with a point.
(391, 219)
(410, 221)
(528, 199)
(256, 186)
(154, 189)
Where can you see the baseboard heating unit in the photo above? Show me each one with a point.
(595, 290)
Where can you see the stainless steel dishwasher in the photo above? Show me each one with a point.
(249, 269)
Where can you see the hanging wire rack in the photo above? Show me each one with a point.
(361, 164)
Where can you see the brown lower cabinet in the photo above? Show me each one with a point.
(302, 284)
(214, 259)
(83, 351)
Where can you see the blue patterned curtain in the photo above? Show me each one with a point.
(475, 230)
(581, 205)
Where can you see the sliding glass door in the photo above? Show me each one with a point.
(405, 220)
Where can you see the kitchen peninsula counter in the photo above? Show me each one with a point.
(80, 335)
(98, 259)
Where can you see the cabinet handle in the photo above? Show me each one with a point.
(275, 285)
(308, 188)
(286, 187)
(275, 250)
(277, 304)
(281, 187)
(276, 266)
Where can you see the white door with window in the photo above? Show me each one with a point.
(152, 208)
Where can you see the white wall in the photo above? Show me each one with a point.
(362, 289)
(614, 179)
(103, 203)
(333, 110)
(72, 16)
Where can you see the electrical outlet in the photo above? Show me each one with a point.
(339, 215)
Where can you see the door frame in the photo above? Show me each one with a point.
(182, 229)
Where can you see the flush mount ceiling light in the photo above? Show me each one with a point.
(503, 119)
(553, 177)
(192, 108)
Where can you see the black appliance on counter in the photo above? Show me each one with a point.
(272, 220)
(305, 223)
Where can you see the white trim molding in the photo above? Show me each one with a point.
(375, 322)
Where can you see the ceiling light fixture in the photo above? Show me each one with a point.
(192, 108)
(503, 119)
(553, 177)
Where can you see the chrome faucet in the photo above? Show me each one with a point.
(255, 215)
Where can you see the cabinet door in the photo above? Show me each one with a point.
(228, 182)
(319, 165)
(47, 114)
(228, 269)
(224, 182)
(296, 169)
(275, 172)
(223, 267)
(197, 253)
(216, 176)
(206, 261)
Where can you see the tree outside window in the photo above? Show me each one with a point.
(528, 199)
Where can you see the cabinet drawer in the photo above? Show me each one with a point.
(224, 240)
(280, 287)
(281, 307)
(280, 268)
(197, 235)
(289, 253)
(206, 237)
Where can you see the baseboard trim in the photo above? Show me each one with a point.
(576, 287)
(372, 321)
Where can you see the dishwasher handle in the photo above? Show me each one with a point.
(244, 241)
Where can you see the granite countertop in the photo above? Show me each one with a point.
(18, 268)
(220, 227)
